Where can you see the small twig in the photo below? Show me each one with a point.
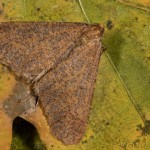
(132, 5)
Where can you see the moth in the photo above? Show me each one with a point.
(57, 63)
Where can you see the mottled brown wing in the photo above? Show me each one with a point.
(66, 91)
(31, 49)
(61, 59)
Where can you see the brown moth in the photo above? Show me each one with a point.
(58, 63)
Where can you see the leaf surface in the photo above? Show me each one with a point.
(120, 112)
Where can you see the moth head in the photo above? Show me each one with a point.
(94, 32)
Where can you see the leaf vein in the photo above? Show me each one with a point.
(118, 74)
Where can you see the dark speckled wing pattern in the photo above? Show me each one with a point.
(31, 49)
(61, 61)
